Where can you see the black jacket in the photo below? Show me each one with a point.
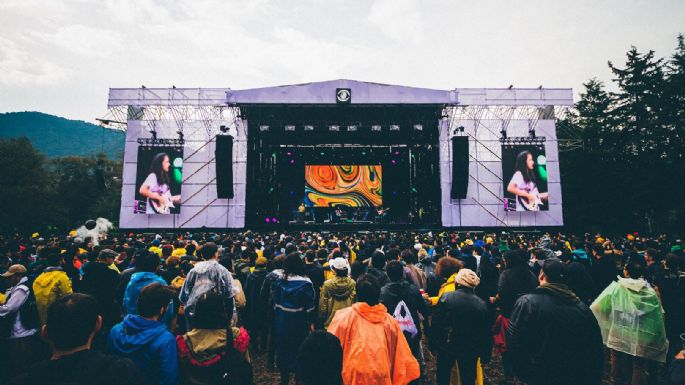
(461, 325)
(86, 367)
(512, 284)
(580, 281)
(379, 274)
(603, 273)
(394, 292)
(488, 274)
(554, 340)
(255, 308)
(100, 281)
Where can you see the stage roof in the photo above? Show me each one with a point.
(324, 93)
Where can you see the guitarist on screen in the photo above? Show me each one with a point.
(523, 184)
(156, 187)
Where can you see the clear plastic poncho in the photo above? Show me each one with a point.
(206, 276)
(631, 319)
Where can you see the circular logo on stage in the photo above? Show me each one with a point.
(343, 95)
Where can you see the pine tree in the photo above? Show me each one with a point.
(639, 104)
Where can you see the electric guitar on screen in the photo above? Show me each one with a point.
(531, 204)
(165, 205)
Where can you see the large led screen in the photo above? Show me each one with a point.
(524, 174)
(351, 186)
(158, 180)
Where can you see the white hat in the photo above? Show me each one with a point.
(418, 246)
(339, 264)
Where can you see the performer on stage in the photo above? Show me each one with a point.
(524, 185)
(156, 187)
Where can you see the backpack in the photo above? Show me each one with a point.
(231, 369)
(404, 318)
(28, 311)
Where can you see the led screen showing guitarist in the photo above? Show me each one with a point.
(526, 189)
(158, 183)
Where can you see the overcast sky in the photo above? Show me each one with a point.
(61, 56)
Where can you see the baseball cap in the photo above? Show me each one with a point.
(554, 270)
(14, 269)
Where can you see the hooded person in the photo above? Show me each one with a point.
(631, 319)
(146, 275)
(255, 314)
(206, 276)
(338, 292)
(51, 285)
(144, 337)
(375, 350)
(209, 351)
(100, 281)
(319, 361)
(460, 332)
(405, 303)
(293, 301)
(549, 323)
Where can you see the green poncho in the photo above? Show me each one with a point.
(631, 319)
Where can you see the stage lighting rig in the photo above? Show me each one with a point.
(503, 133)
(290, 128)
(523, 141)
(418, 127)
(352, 128)
(263, 128)
(309, 127)
(376, 128)
(223, 128)
(531, 132)
(334, 128)
(394, 127)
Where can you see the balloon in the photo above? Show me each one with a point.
(90, 224)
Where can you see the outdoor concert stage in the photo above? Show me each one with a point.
(339, 155)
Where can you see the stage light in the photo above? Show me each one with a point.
(322, 153)
(267, 219)
(504, 133)
(397, 152)
(290, 127)
(178, 162)
(223, 128)
(292, 161)
(394, 161)
(542, 160)
(531, 132)
(334, 128)
(274, 220)
(263, 128)
(290, 153)
(394, 127)
(376, 128)
(418, 127)
(309, 128)
(352, 128)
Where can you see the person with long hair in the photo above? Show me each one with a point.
(293, 302)
(156, 187)
(213, 349)
(523, 184)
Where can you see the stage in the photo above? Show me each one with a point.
(250, 158)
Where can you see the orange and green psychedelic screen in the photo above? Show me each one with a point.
(351, 186)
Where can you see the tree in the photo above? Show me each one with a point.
(26, 193)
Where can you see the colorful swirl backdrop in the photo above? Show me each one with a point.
(352, 186)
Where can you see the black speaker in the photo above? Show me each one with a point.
(460, 167)
(223, 157)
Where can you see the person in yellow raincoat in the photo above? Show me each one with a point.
(374, 349)
(447, 268)
(51, 285)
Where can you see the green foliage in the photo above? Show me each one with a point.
(57, 137)
(61, 192)
(631, 173)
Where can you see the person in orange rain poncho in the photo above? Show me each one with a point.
(374, 349)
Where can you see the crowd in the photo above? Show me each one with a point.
(341, 308)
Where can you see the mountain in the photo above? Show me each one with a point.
(55, 136)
